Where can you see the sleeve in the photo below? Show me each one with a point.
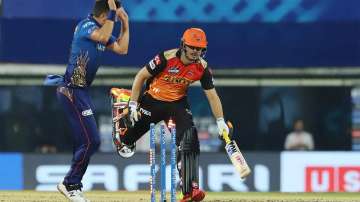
(157, 64)
(207, 80)
(86, 29)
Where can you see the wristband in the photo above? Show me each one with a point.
(132, 103)
(111, 15)
(111, 40)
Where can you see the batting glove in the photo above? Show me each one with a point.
(222, 126)
(133, 112)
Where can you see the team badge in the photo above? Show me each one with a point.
(157, 60)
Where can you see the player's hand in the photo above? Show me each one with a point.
(133, 113)
(222, 127)
(112, 4)
(122, 15)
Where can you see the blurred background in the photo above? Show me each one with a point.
(275, 62)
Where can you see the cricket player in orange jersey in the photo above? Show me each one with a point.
(167, 77)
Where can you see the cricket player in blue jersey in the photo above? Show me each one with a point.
(92, 37)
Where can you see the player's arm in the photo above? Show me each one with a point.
(103, 34)
(211, 94)
(121, 44)
(153, 68)
(139, 81)
(215, 103)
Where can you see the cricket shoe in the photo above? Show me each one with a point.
(197, 194)
(126, 151)
(73, 192)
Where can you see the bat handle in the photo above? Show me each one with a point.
(226, 138)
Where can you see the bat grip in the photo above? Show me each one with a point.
(226, 138)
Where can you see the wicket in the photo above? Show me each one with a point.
(172, 127)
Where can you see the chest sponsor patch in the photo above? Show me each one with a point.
(173, 70)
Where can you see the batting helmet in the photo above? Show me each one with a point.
(195, 37)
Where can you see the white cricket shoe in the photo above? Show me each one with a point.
(75, 195)
(126, 151)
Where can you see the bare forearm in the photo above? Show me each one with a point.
(106, 30)
(216, 107)
(104, 33)
(215, 103)
(123, 39)
(136, 87)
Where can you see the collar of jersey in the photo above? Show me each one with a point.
(178, 53)
(91, 17)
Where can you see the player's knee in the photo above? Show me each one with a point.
(94, 144)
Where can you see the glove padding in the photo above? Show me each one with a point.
(133, 113)
(222, 127)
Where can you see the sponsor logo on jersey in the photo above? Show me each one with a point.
(173, 70)
(152, 64)
(145, 112)
(177, 80)
(87, 112)
(88, 24)
(100, 47)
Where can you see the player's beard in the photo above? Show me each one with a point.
(194, 57)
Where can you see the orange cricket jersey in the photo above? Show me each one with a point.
(171, 78)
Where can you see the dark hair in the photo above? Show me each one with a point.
(102, 6)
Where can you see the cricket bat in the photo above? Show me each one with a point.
(233, 151)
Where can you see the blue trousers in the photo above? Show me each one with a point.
(79, 111)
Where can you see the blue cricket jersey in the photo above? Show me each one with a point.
(85, 55)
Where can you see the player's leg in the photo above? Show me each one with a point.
(148, 113)
(127, 146)
(121, 124)
(79, 111)
(188, 154)
(188, 161)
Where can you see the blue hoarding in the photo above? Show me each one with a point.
(11, 169)
(241, 33)
(195, 10)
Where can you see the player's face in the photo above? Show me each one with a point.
(193, 53)
(102, 18)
